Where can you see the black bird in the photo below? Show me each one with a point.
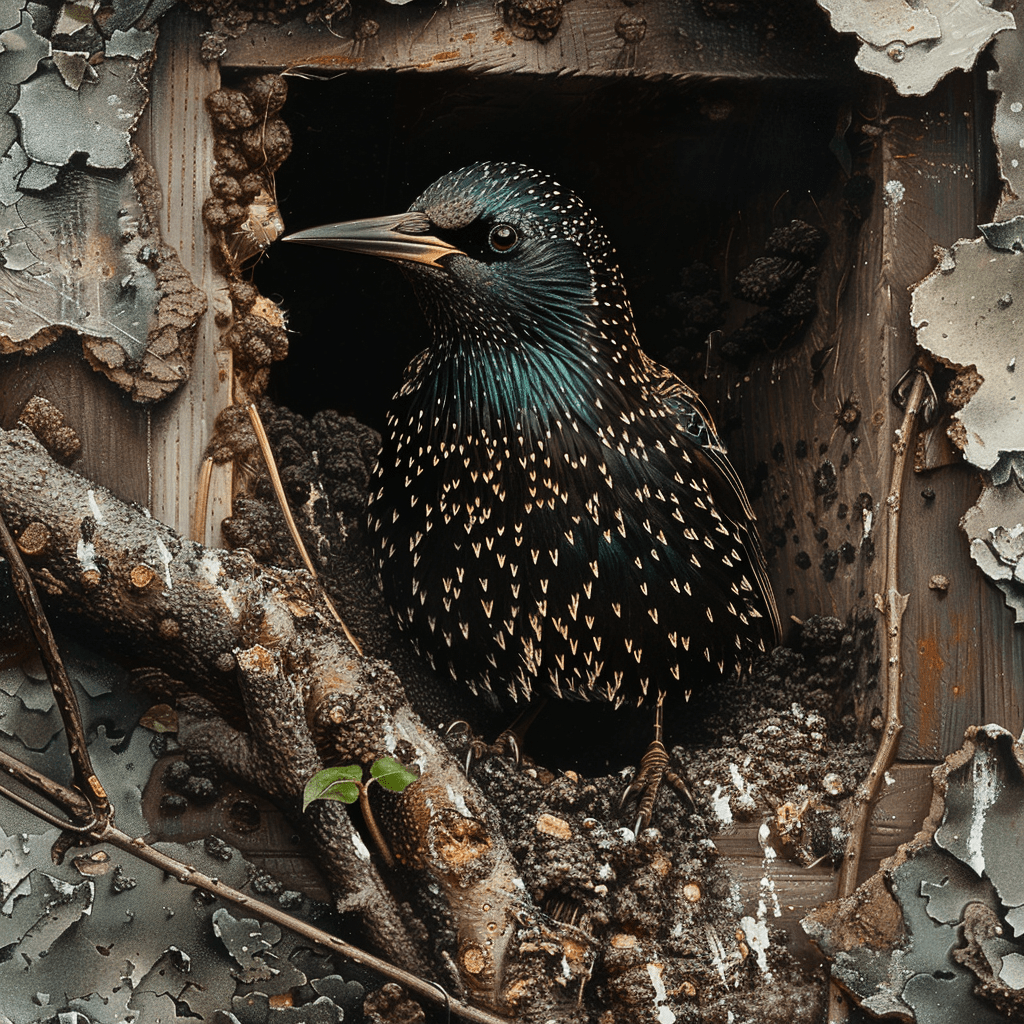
(553, 512)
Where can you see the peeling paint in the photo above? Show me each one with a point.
(360, 847)
(915, 45)
(928, 938)
(94, 508)
(664, 1014)
(971, 314)
(723, 810)
(1008, 128)
(86, 553)
(78, 247)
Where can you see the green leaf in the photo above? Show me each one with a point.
(391, 775)
(334, 784)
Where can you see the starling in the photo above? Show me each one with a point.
(553, 512)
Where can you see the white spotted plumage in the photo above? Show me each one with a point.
(552, 511)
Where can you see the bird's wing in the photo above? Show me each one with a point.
(700, 426)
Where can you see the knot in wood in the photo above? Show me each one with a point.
(141, 576)
(34, 539)
(167, 628)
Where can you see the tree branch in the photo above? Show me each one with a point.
(242, 635)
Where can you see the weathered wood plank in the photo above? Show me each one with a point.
(961, 657)
(112, 428)
(177, 138)
(676, 39)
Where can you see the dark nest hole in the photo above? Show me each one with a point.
(689, 179)
(683, 175)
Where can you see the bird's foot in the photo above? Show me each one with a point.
(654, 768)
(508, 744)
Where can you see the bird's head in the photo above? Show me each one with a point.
(500, 253)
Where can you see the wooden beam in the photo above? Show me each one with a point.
(177, 138)
(661, 38)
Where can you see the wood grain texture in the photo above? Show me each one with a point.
(962, 658)
(177, 138)
(679, 40)
(112, 428)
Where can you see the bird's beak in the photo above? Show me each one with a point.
(402, 236)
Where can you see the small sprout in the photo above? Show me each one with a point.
(340, 783)
(345, 783)
(391, 775)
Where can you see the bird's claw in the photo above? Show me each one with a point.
(506, 745)
(654, 768)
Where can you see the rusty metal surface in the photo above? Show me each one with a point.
(915, 45)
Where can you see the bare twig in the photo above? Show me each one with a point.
(282, 500)
(63, 692)
(70, 799)
(892, 605)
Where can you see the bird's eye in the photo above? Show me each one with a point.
(503, 237)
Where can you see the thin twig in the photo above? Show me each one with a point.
(282, 500)
(63, 691)
(70, 799)
(892, 605)
(105, 832)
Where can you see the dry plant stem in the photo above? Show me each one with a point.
(371, 823)
(104, 832)
(202, 497)
(63, 692)
(891, 605)
(282, 500)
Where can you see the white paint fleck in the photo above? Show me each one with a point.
(360, 847)
(720, 801)
(459, 802)
(210, 568)
(87, 556)
(665, 1015)
(166, 558)
(94, 508)
(756, 933)
(895, 190)
(986, 786)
